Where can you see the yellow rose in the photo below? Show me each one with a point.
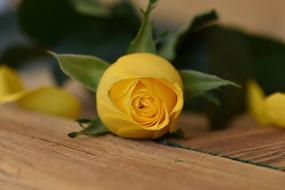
(140, 96)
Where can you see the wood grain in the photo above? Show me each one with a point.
(245, 141)
(36, 154)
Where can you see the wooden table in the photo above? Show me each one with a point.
(35, 153)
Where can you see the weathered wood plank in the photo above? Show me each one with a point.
(245, 141)
(35, 153)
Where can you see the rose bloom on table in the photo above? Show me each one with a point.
(140, 95)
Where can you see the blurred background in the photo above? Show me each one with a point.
(260, 16)
(257, 16)
(245, 41)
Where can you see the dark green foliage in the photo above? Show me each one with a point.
(59, 26)
(46, 21)
(16, 55)
(233, 55)
(168, 50)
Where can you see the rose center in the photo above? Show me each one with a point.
(143, 105)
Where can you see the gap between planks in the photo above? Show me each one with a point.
(244, 141)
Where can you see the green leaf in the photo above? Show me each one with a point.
(94, 128)
(144, 41)
(203, 20)
(91, 7)
(212, 98)
(168, 51)
(197, 83)
(85, 69)
(83, 122)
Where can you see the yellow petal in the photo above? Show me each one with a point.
(135, 133)
(153, 114)
(275, 108)
(12, 97)
(51, 100)
(256, 105)
(178, 106)
(166, 94)
(121, 92)
(144, 65)
(11, 87)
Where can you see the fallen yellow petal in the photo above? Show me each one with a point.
(11, 87)
(256, 105)
(275, 108)
(51, 100)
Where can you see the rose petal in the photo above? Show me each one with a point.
(178, 106)
(255, 100)
(275, 108)
(51, 100)
(11, 87)
(135, 133)
(150, 66)
(166, 94)
(121, 92)
(12, 97)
